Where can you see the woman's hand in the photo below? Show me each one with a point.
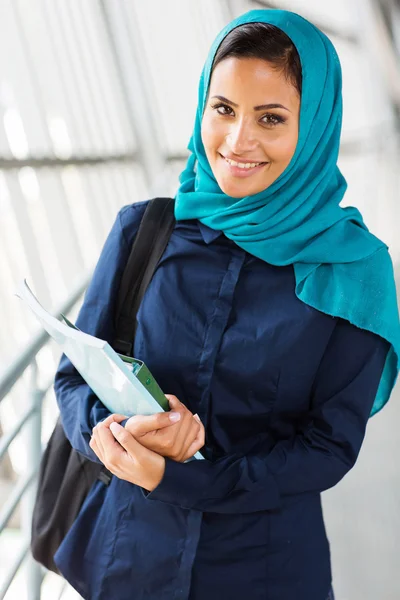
(125, 457)
(178, 441)
(177, 434)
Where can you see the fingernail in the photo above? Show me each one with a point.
(115, 427)
(174, 416)
(196, 416)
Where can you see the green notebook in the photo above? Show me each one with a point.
(143, 374)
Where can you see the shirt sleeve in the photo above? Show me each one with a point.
(80, 408)
(322, 451)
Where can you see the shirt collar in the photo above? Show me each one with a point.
(209, 235)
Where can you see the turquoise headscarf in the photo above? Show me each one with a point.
(340, 268)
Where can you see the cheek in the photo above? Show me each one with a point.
(282, 149)
(211, 135)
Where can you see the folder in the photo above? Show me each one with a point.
(123, 384)
(139, 370)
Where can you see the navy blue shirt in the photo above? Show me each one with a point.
(284, 392)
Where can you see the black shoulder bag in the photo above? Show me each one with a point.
(65, 476)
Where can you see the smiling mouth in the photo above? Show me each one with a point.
(242, 165)
(243, 170)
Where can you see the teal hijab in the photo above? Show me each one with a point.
(340, 268)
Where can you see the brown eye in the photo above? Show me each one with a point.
(223, 109)
(272, 120)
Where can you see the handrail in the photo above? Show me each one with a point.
(8, 438)
(24, 490)
(14, 372)
(12, 572)
(37, 162)
(19, 490)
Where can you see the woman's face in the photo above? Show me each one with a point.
(250, 125)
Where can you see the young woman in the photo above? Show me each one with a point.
(272, 319)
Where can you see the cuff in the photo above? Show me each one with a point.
(170, 487)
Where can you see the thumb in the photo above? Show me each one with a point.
(114, 417)
(126, 439)
(173, 401)
(140, 425)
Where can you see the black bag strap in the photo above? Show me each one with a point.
(150, 242)
(65, 476)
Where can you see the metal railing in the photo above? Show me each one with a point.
(29, 424)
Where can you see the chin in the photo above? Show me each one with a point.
(234, 193)
(238, 191)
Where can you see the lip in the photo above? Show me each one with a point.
(239, 171)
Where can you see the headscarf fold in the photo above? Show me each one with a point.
(340, 268)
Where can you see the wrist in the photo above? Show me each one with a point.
(157, 472)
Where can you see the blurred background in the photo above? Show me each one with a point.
(97, 101)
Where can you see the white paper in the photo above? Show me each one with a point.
(104, 371)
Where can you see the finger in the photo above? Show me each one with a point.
(95, 448)
(114, 418)
(192, 439)
(95, 436)
(112, 451)
(127, 441)
(103, 436)
(191, 432)
(196, 445)
(139, 425)
(173, 401)
(187, 432)
(177, 405)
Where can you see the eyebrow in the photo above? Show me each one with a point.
(260, 107)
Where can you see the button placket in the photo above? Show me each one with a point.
(216, 328)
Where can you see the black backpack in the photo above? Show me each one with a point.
(66, 476)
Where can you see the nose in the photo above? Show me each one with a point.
(241, 138)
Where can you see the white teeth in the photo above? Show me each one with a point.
(242, 165)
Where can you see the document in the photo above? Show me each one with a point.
(123, 384)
